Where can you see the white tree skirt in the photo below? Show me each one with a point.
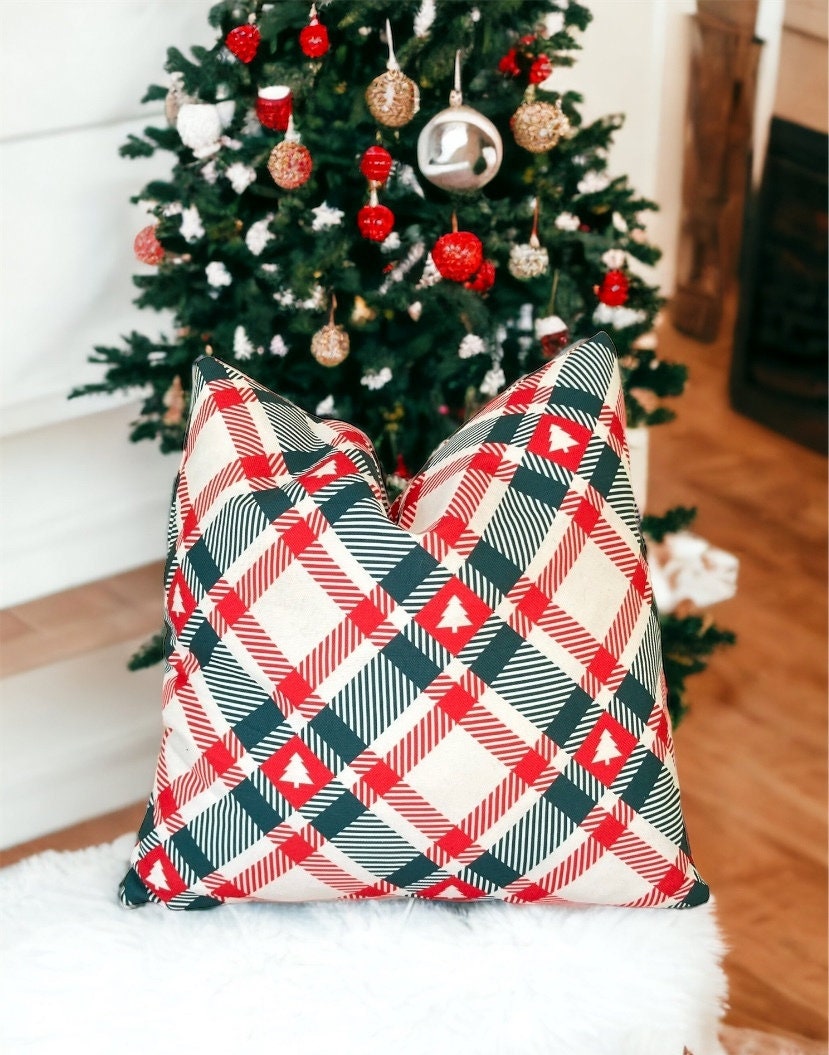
(81, 973)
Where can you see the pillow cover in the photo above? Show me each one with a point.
(460, 699)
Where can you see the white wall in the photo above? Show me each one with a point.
(79, 501)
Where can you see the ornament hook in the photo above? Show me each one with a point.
(456, 95)
(534, 242)
(392, 64)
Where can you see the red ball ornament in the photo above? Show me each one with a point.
(508, 65)
(375, 164)
(313, 38)
(458, 255)
(484, 279)
(243, 41)
(614, 289)
(375, 222)
(147, 247)
(540, 70)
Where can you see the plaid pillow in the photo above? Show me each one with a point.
(460, 699)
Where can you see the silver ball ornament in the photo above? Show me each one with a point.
(459, 149)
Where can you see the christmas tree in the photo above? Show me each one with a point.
(387, 212)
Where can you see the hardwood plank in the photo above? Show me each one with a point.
(752, 752)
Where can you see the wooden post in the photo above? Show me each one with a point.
(716, 171)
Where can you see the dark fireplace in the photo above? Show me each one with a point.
(779, 371)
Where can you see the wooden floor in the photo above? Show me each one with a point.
(752, 753)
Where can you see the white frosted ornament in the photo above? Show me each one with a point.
(200, 127)
(459, 149)
(529, 259)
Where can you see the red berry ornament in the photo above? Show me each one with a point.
(484, 279)
(540, 70)
(243, 41)
(147, 247)
(313, 39)
(614, 289)
(458, 255)
(375, 164)
(375, 222)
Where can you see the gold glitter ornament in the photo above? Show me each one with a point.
(538, 126)
(330, 345)
(290, 163)
(392, 98)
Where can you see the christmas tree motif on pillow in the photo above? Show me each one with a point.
(460, 699)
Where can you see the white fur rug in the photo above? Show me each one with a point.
(81, 973)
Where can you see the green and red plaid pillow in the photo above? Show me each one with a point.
(461, 698)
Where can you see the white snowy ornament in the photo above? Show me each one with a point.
(620, 223)
(424, 18)
(493, 382)
(210, 172)
(618, 317)
(390, 243)
(471, 346)
(376, 380)
(240, 176)
(326, 216)
(567, 221)
(192, 229)
(326, 407)
(614, 259)
(415, 310)
(593, 182)
(279, 348)
(431, 276)
(217, 274)
(242, 345)
(259, 234)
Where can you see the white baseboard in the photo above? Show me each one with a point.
(78, 739)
